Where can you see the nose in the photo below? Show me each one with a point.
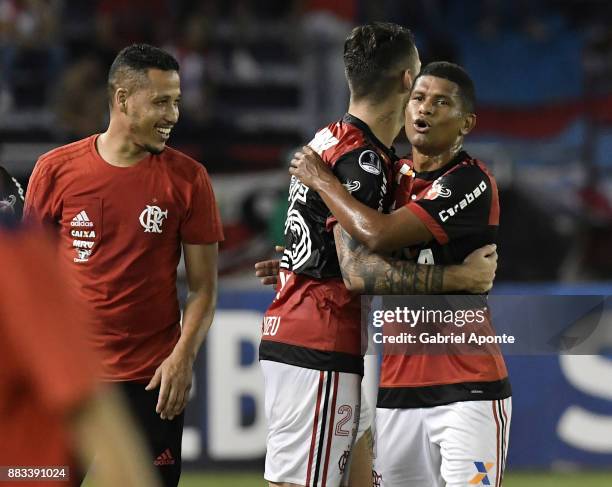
(425, 108)
(172, 114)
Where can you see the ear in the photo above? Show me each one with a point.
(407, 80)
(469, 122)
(121, 96)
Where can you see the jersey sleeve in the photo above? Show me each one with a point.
(457, 204)
(362, 174)
(202, 223)
(40, 205)
(11, 196)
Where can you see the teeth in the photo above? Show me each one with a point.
(164, 131)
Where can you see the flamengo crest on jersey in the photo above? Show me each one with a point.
(152, 218)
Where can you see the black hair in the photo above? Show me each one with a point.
(456, 74)
(133, 62)
(373, 55)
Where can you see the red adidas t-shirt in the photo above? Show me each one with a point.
(120, 230)
(47, 371)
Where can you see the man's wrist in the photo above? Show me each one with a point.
(185, 352)
(456, 278)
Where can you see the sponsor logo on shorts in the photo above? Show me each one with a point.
(468, 199)
(370, 162)
(481, 478)
(165, 458)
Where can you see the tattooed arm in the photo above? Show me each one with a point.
(367, 273)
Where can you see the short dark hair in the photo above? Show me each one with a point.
(132, 64)
(372, 53)
(456, 74)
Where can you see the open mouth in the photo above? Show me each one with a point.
(164, 132)
(421, 125)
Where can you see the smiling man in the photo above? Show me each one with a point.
(441, 420)
(123, 204)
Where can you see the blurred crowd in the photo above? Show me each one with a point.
(55, 53)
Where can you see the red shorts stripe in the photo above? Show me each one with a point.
(497, 450)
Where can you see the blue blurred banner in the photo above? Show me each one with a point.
(562, 405)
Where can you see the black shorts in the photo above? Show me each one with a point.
(163, 436)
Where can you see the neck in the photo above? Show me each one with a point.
(433, 162)
(385, 119)
(116, 148)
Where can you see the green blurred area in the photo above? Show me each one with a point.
(581, 479)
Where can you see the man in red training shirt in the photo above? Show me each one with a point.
(123, 204)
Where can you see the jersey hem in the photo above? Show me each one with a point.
(439, 395)
(309, 358)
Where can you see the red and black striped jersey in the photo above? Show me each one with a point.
(459, 204)
(314, 321)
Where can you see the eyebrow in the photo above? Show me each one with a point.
(435, 95)
(164, 97)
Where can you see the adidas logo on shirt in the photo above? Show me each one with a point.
(81, 220)
(165, 458)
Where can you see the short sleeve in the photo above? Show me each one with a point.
(44, 324)
(202, 223)
(40, 207)
(362, 173)
(457, 204)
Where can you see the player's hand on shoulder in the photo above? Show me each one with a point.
(267, 270)
(173, 377)
(310, 169)
(480, 267)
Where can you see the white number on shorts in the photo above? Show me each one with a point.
(344, 409)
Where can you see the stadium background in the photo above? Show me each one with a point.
(258, 77)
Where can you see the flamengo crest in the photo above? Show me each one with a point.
(152, 218)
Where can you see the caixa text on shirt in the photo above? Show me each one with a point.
(467, 199)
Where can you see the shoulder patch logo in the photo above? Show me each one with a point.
(437, 189)
(370, 162)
